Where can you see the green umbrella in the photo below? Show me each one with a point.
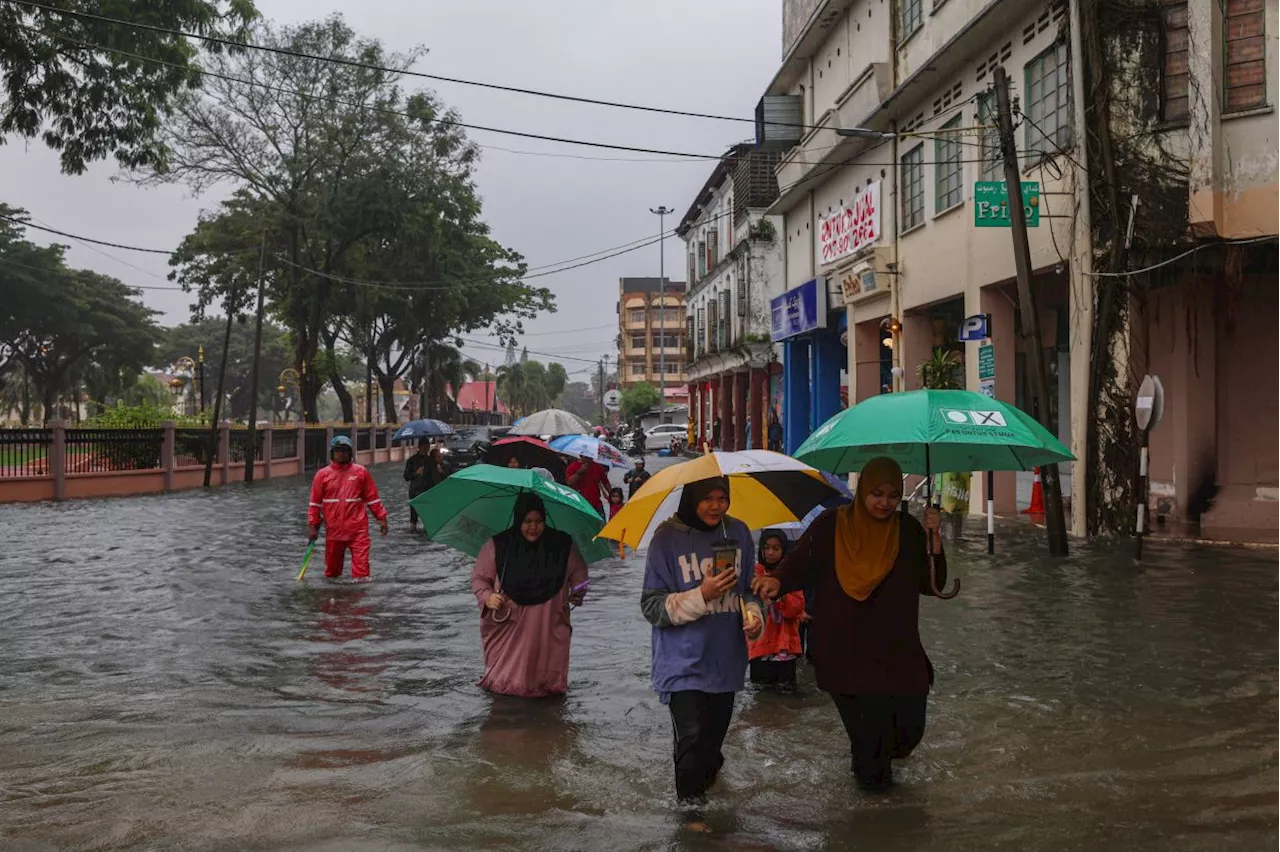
(478, 502)
(932, 431)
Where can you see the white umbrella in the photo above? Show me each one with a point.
(552, 421)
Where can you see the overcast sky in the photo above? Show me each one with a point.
(711, 56)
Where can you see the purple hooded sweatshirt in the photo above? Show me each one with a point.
(697, 645)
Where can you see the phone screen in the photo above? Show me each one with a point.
(724, 558)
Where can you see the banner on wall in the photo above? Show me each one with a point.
(852, 228)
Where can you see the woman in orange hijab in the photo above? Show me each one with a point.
(867, 565)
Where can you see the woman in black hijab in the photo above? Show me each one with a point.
(524, 580)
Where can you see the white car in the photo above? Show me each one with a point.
(659, 437)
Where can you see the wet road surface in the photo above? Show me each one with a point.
(165, 684)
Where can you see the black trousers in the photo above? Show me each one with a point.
(699, 723)
(881, 728)
(773, 672)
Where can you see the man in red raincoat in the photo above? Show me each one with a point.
(340, 494)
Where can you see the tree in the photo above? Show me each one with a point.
(352, 188)
(67, 326)
(70, 79)
(186, 340)
(575, 400)
(638, 399)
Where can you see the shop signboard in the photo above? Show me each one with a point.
(799, 311)
(852, 228)
(991, 204)
(987, 361)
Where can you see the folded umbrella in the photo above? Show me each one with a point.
(765, 489)
(476, 503)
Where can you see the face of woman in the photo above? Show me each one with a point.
(883, 501)
(513, 462)
(771, 551)
(712, 508)
(533, 526)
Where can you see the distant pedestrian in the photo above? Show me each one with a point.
(775, 433)
(869, 565)
(590, 479)
(615, 504)
(422, 470)
(341, 493)
(715, 433)
(636, 478)
(748, 432)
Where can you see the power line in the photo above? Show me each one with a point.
(406, 72)
(486, 345)
(1177, 257)
(441, 121)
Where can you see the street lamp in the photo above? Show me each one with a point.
(289, 377)
(863, 133)
(189, 366)
(662, 212)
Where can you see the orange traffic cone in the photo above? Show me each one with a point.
(1037, 498)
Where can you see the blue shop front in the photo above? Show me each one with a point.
(813, 359)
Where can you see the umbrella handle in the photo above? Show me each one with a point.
(933, 582)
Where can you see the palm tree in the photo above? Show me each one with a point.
(448, 369)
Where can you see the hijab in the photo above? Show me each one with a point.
(865, 548)
(531, 573)
(692, 496)
(782, 541)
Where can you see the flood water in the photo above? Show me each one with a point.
(165, 684)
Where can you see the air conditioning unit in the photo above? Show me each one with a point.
(778, 122)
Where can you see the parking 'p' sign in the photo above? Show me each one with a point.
(974, 418)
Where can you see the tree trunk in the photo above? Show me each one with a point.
(49, 397)
(388, 386)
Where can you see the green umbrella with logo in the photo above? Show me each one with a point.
(476, 503)
(932, 431)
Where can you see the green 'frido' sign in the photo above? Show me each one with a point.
(991, 203)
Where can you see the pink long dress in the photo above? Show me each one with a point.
(526, 649)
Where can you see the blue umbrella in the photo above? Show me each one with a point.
(593, 448)
(417, 429)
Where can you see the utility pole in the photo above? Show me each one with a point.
(662, 212)
(600, 364)
(426, 380)
(1055, 523)
(251, 452)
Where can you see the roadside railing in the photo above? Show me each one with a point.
(104, 450)
(24, 452)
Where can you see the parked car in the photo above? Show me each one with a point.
(659, 437)
(466, 446)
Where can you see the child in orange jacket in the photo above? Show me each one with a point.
(773, 656)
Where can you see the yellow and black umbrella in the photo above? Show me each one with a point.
(765, 489)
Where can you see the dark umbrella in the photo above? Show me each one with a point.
(416, 430)
(530, 452)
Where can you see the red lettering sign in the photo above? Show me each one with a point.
(852, 228)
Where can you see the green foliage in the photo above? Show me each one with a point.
(638, 399)
(67, 328)
(88, 102)
(148, 390)
(529, 386)
(575, 400)
(943, 371)
(142, 416)
(375, 187)
(186, 341)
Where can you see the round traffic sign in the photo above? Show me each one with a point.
(613, 399)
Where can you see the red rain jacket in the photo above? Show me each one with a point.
(343, 492)
(781, 625)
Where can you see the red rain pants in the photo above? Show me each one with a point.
(335, 554)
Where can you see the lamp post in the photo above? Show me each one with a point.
(662, 213)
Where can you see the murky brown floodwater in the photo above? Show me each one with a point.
(165, 684)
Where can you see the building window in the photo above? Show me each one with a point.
(1048, 109)
(637, 341)
(673, 369)
(637, 368)
(992, 159)
(702, 258)
(913, 187)
(1244, 27)
(948, 168)
(1174, 71)
(635, 316)
(910, 17)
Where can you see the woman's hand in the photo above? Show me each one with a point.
(495, 601)
(714, 586)
(576, 598)
(933, 529)
(766, 587)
